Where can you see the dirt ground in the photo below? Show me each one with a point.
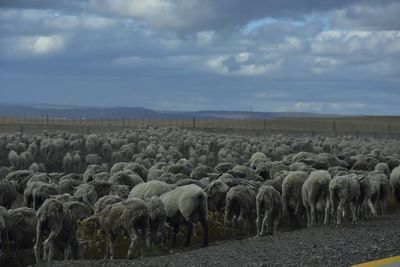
(321, 246)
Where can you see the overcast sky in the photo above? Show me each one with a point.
(333, 56)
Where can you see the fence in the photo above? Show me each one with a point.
(359, 126)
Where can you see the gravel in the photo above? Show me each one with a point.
(320, 246)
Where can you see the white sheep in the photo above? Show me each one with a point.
(190, 203)
(127, 216)
(58, 220)
(269, 209)
(344, 191)
(292, 196)
(150, 189)
(315, 194)
(395, 182)
(240, 205)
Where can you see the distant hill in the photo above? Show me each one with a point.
(36, 110)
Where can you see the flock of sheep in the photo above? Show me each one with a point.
(144, 183)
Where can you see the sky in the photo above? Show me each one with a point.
(331, 56)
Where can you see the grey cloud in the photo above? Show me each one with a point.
(44, 4)
(369, 17)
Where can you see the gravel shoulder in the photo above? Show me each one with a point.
(320, 246)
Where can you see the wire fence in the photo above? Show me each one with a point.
(338, 126)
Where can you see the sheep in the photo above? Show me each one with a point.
(157, 219)
(380, 190)
(292, 196)
(22, 224)
(216, 192)
(78, 209)
(4, 223)
(269, 209)
(53, 217)
(86, 193)
(126, 177)
(3, 172)
(139, 169)
(68, 186)
(240, 204)
(76, 162)
(101, 187)
(149, 189)
(67, 163)
(187, 202)
(367, 164)
(13, 158)
(127, 216)
(37, 192)
(257, 158)
(275, 184)
(344, 190)
(105, 201)
(383, 167)
(364, 200)
(315, 195)
(395, 182)
(92, 159)
(8, 193)
(120, 190)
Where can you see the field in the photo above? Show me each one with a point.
(385, 126)
(111, 157)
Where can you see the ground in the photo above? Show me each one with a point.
(321, 246)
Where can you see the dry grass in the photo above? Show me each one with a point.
(373, 126)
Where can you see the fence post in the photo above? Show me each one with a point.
(123, 122)
(47, 120)
(194, 123)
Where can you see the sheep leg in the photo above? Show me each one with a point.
(308, 212)
(267, 222)
(146, 233)
(276, 222)
(353, 212)
(334, 205)
(227, 214)
(38, 244)
(263, 223)
(298, 213)
(189, 226)
(313, 219)
(107, 254)
(112, 246)
(327, 208)
(339, 213)
(204, 224)
(67, 251)
(371, 208)
(175, 233)
(49, 243)
(271, 220)
(258, 220)
(133, 235)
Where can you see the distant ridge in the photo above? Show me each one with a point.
(63, 111)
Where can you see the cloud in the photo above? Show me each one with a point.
(369, 17)
(324, 56)
(36, 45)
(43, 4)
(242, 64)
(73, 22)
(323, 106)
(205, 37)
(196, 15)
